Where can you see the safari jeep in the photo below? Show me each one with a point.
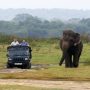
(19, 56)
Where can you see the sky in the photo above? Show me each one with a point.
(47, 4)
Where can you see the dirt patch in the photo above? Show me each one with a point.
(66, 85)
(11, 70)
(34, 67)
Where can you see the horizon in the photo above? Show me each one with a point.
(45, 9)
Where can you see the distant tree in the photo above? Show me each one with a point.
(25, 25)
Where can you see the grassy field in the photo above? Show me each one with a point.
(49, 53)
(44, 53)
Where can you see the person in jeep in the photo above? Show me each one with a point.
(24, 43)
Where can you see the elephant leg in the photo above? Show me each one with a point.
(68, 62)
(71, 63)
(62, 60)
(76, 60)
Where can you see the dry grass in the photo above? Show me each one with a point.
(21, 87)
(52, 73)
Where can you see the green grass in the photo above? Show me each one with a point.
(21, 87)
(46, 54)
(86, 53)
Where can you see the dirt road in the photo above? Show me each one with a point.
(66, 85)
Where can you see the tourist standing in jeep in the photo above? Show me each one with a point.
(24, 43)
(14, 43)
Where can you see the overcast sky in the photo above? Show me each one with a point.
(33, 4)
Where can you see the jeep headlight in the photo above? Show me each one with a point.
(26, 58)
(9, 59)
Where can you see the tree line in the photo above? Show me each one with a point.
(25, 25)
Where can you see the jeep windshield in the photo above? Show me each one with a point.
(18, 51)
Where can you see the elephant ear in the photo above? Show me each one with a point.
(77, 39)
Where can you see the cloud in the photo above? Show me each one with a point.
(68, 4)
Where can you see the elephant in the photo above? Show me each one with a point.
(65, 43)
(71, 46)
